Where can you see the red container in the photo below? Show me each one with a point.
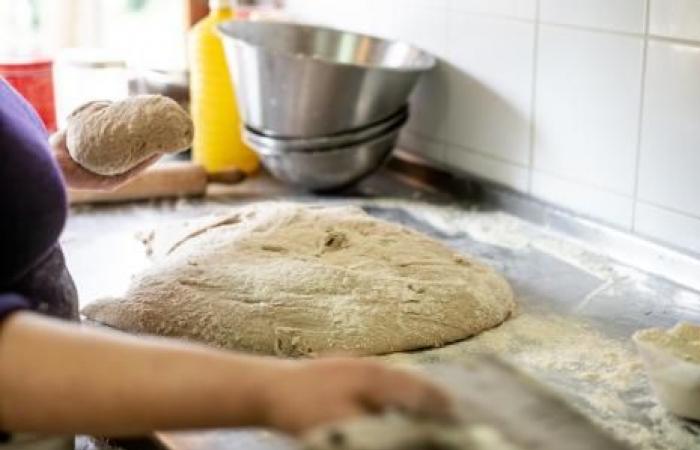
(34, 80)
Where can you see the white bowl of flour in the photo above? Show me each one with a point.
(672, 360)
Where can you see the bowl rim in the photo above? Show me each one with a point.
(353, 134)
(430, 60)
(391, 133)
(275, 145)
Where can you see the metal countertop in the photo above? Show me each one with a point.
(578, 307)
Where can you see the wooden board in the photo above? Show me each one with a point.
(163, 180)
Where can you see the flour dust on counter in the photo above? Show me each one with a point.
(602, 377)
(683, 340)
(297, 280)
(577, 306)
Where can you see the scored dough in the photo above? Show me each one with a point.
(294, 280)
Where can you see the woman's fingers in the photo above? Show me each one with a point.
(77, 177)
(58, 141)
(139, 168)
(333, 414)
(397, 389)
(313, 393)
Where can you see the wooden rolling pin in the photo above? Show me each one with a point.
(169, 179)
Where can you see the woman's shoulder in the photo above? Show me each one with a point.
(32, 196)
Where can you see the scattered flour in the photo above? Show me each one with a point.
(609, 386)
(683, 340)
(507, 231)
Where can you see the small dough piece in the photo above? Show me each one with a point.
(109, 138)
(298, 280)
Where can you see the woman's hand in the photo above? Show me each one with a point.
(308, 394)
(78, 177)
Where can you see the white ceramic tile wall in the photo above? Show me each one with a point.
(490, 86)
(678, 229)
(589, 200)
(675, 19)
(427, 28)
(592, 105)
(669, 172)
(434, 151)
(613, 15)
(511, 175)
(587, 118)
(522, 9)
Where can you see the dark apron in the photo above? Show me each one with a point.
(51, 291)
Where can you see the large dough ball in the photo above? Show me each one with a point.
(109, 138)
(295, 280)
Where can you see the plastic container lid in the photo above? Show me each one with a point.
(17, 65)
(92, 58)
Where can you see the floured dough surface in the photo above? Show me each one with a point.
(289, 279)
(109, 138)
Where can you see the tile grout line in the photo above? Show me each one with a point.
(674, 40)
(495, 159)
(491, 15)
(670, 209)
(592, 29)
(640, 118)
(533, 99)
(469, 149)
(502, 160)
(644, 34)
(571, 180)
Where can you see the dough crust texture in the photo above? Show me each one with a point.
(301, 280)
(109, 138)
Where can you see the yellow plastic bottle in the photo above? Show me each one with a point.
(217, 143)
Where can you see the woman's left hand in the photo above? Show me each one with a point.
(77, 177)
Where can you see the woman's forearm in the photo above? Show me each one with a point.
(64, 378)
(61, 378)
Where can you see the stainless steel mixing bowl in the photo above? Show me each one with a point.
(297, 80)
(327, 142)
(326, 170)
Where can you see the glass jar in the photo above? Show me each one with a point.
(83, 75)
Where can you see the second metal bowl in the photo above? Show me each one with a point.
(327, 169)
(340, 140)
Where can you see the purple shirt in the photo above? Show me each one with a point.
(32, 214)
(33, 273)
